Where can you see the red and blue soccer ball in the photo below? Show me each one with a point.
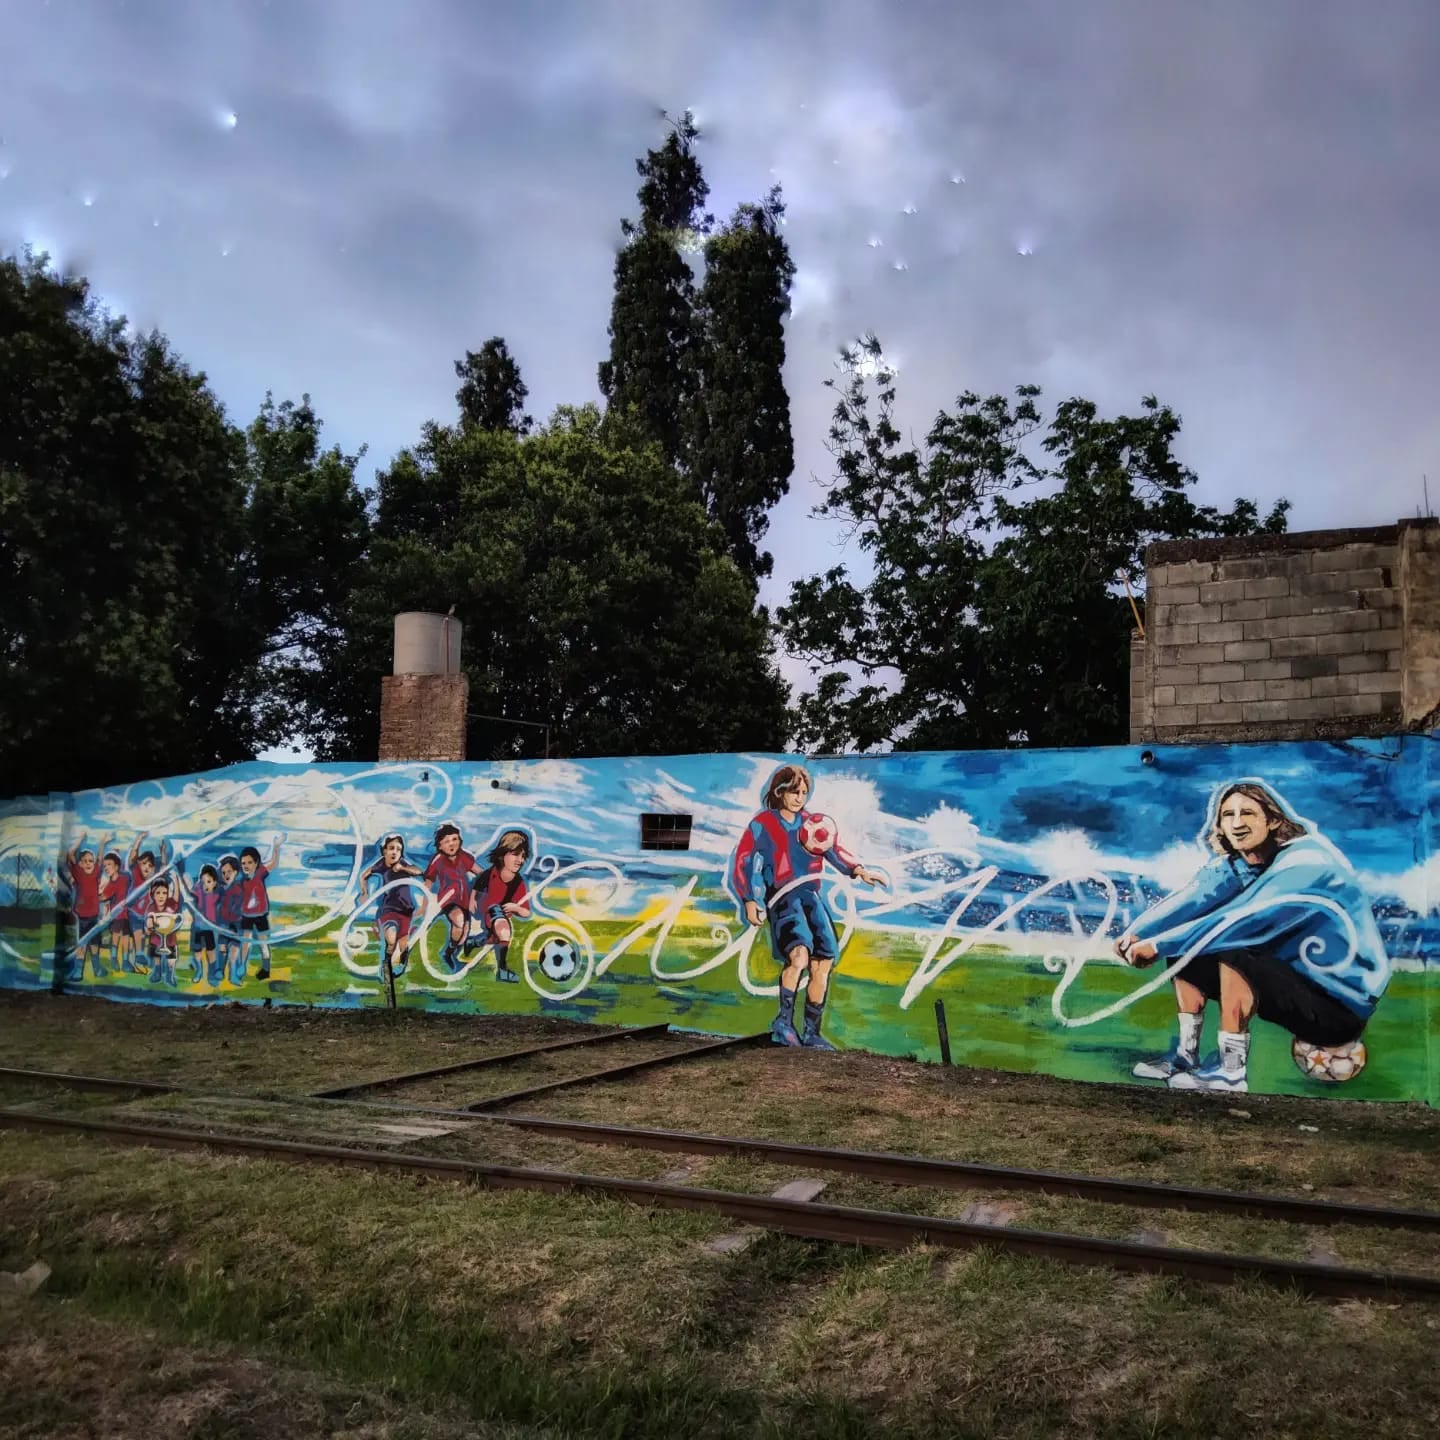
(818, 834)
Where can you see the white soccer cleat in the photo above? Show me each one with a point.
(1174, 1062)
(1212, 1075)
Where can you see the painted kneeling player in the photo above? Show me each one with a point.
(784, 844)
(1280, 928)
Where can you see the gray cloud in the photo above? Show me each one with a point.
(1233, 205)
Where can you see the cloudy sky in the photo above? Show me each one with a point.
(1234, 204)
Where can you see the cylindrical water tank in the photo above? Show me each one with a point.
(426, 644)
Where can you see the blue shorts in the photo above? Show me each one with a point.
(803, 918)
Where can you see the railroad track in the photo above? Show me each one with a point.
(918, 1171)
(841, 1224)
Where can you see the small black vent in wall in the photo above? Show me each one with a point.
(665, 832)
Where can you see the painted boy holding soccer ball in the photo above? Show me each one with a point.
(1275, 925)
(775, 876)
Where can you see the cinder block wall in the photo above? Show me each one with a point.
(422, 717)
(1325, 633)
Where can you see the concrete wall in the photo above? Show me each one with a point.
(1323, 634)
(1009, 877)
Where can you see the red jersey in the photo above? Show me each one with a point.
(113, 892)
(139, 892)
(254, 898)
(165, 940)
(85, 890)
(450, 875)
(497, 890)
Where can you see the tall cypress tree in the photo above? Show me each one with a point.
(739, 446)
(651, 372)
(492, 394)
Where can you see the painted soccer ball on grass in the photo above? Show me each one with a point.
(817, 834)
(1331, 1063)
(558, 960)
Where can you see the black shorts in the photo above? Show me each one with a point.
(254, 923)
(201, 938)
(1283, 996)
(84, 924)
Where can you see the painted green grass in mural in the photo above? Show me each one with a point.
(998, 1006)
(591, 1317)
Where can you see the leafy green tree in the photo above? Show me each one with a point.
(492, 394)
(739, 447)
(157, 565)
(306, 532)
(651, 370)
(596, 596)
(990, 617)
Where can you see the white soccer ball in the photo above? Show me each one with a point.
(818, 833)
(1330, 1063)
(558, 960)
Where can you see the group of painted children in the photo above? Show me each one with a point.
(129, 912)
(478, 902)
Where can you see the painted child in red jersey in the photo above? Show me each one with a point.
(776, 881)
(83, 868)
(162, 926)
(115, 919)
(255, 907)
(501, 897)
(449, 873)
(143, 865)
(396, 913)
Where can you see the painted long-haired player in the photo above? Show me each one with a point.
(396, 915)
(501, 898)
(1299, 944)
(772, 854)
(255, 907)
(449, 873)
(204, 900)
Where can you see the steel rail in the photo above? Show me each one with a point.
(340, 1092)
(89, 1082)
(842, 1224)
(894, 1169)
(614, 1072)
(925, 1172)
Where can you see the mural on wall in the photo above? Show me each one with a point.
(1058, 902)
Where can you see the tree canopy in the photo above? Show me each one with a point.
(699, 371)
(598, 598)
(989, 608)
(161, 565)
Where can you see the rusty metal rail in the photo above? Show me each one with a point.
(505, 1057)
(910, 1170)
(842, 1224)
(89, 1082)
(924, 1172)
(614, 1072)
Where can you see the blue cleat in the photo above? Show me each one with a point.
(782, 1032)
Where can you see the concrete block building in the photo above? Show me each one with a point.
(1312, 635)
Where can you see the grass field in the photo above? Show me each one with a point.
(201, 1296)
(998, 1005)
